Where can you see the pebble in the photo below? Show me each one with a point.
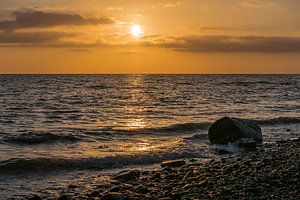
(125, 176)
(113, 196)
(35, 197)
(63, 197)
(173, 163)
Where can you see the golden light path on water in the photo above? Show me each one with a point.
(132, 122)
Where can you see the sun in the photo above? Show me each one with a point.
(136, 30)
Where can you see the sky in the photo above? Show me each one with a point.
(169, 36)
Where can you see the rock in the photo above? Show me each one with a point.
(228, 129)
(187, 175)
(223, 151)
(142, 190)
(35, 197)
(113, 196)
(156, 176)
(115, 189)
(63, 197)
(125, 176)
(172, 163)
(73, 186)
(248, 145)
(95, 193)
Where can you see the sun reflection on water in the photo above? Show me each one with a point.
(136, 123)
(152, 145)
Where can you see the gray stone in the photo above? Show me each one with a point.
(63, 197)
(173, 163)
(95, 193)
(113, 196)
(125, 176)
(228, 129)
(248, 145)
(35, 197)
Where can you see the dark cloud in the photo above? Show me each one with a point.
(217, 28)
(231, 44)
(185, 43)
(41, 19)
(35, 38)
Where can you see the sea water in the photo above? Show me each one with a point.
(55, 129)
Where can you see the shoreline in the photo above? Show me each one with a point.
(271, 172)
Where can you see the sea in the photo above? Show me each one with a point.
(57, 130)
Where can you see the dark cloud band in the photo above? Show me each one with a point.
(39, 19)
(233, 44)
(20, 38)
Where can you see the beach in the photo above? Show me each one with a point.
(270, 172)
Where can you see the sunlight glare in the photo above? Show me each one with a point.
(136, 30)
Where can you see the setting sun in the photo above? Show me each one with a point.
(136, 30)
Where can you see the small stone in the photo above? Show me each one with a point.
(187, 175)
(223, 151)
(125, 176)
(247, 163)
(95, 193)
(142, 190)
(115, 189)
(63, 197)
(113, 196)
(173, 163)
(248, 145)
(156, 176)
(73, 186)
(35, 197)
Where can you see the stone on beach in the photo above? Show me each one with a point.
(173, 163)
(226, 130)
(248, 145)
(35, 197)
(125, 176)
(63, 197)
(113, 196)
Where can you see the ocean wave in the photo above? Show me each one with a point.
(99, 87)
(109, 133)
(118, 161)
(41, 138)
(194, 127)
(174, 128)
(279, 120)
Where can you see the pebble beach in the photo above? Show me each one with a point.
(270, 172)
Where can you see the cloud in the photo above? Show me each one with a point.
(114, 8)
(258, 3)
(217, 28)
(175, 4)
(22, 38)
(229, 44)
(40, 19)
(194, 44)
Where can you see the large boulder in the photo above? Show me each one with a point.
(228, 129)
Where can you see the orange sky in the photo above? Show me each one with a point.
(187, 36)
